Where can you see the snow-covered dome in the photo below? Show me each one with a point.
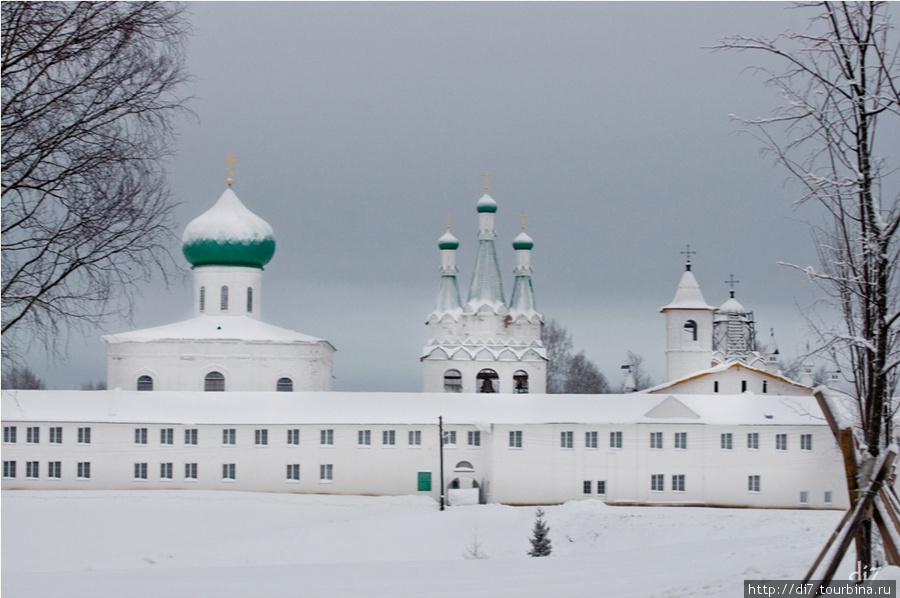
(732, 306)
(486, 204)
(448, 241)
(523, 241)
(228, 234)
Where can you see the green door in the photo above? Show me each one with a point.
(424, 481)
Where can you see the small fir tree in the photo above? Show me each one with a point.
(540, 538)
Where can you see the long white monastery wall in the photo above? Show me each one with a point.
(507, 446)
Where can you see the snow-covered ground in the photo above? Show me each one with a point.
(224, 544)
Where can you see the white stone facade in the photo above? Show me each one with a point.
(701, 450)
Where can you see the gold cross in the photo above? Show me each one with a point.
(487, 180)
(448, 219)
(523, 220)
(229, 159)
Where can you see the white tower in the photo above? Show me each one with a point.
(689, 328)
(485, 345)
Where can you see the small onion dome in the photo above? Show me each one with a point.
(486, 204)
(448, 241)
(523, 241)
(731, 306)
(228, 234)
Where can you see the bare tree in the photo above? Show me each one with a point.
(584, 377)
(841, 85)
(558, 343)
(88, 101)
(21, 378)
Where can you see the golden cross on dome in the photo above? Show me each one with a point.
(523, 220)
(229, 159)
(448, 219)
(487, 180)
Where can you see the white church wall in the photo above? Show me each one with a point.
(732, 381)
(247, 366)
(237, 280)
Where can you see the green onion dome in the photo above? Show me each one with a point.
(486, 204)
(523, 241)
(228, 234)
(448, 241)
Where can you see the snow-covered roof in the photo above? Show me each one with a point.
(274, 408)
(730, 364)
(732, 306)
(486, 204)
(213, 328)
(688, 295)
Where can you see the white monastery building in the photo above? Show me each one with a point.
(225, 400)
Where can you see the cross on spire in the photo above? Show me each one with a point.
(523, 220)
(230, 160)
(731, 281)
(487, 180)
(448, 219)
(688, 253)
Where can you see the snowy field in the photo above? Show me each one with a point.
(234, 544)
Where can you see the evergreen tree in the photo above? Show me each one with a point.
(540, 536)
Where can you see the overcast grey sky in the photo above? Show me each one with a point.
(358, 126)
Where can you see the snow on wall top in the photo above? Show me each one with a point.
(184, 407)
(688, 295)
(228, 234)
(213, 328)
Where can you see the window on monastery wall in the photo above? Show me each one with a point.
(293, 437)
(464, 466)
(488, 381)
(202, 299)
(214, 382)
(84, 470)
(690, 330)
(293, 472)
(9, 469)
(753, 483)
(657, 482)
(223, 299)
(590, 440)
(9, 434)
(515, 439)
(727, 441)
(261, 437)
(449, 437)
(31, 470)
(753, 441)
(33, 435)
(190, 436)
(743, 386)
(615, 440)
(474, 437)
(601, 487)
(144, 383)
(765, 386)
(520, 382)
(140, 471)
(781, 442)
(363, 437)
(566, 440)
(229, 436)
(249, 300)
(140, 435)
(678, 482)
(190, 471)
(828, 497)
(588, 486)
(326, 437)
(326, 472)
(229, 471)
(806, 442)
(165, 471)
(656, 440)
(388, 438)
(415, 438)
(716, 386)
(452, 381)
(804, 497)
(167, 436)
(284, 385)
(55, 435)
(681, 440)
(84, 435)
